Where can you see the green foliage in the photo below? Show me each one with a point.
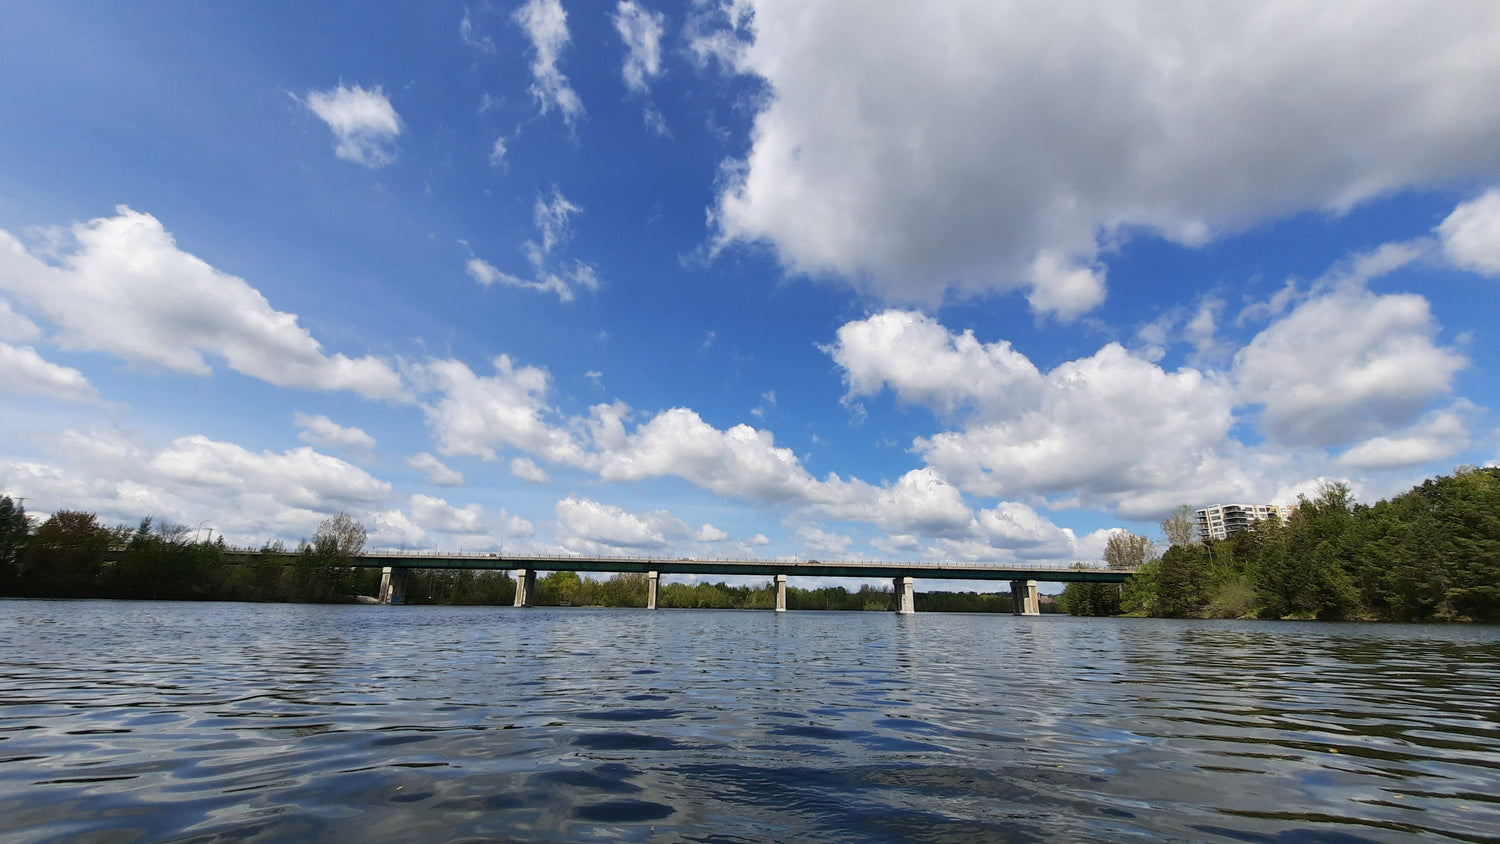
(869, 598)
(1430, 554)
(960, 602)
(72, 555)
(65, 556)
(1184, 582)
(460, 587)
(1139, 595)
(1122, 551)
(715, 596)
(157, 561)
(1092, 599)
(15, 529)
(1233, 597)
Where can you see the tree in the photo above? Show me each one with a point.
(322, 566)
(66, 554)
(340, 536)
(1184, 582)
(1123, 551)
(1091, 599)
(1180, 527)
(15, 527)
(1139, 595)
(563, 588)
(1126, 550)
(1333, 497)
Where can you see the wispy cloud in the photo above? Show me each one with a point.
(565, 279)
(546, 25)
(363, 121)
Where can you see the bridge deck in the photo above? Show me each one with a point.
(762, 568)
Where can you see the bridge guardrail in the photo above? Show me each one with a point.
(639, 558)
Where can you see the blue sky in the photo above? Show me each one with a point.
(960, 281)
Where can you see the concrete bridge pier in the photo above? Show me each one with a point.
(1023, 598)
(781, 593)
(906, 595)
(392, 585)
(652, 578)
(525, 587)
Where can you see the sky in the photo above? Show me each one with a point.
(974, 281)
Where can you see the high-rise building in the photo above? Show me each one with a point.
(1222, 521)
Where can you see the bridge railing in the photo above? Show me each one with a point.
(647, 558)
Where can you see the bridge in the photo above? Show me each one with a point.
(1023, 579)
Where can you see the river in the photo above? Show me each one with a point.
(146, 721)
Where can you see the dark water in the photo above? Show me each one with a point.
(156, 721)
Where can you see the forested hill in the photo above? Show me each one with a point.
(1430, 554)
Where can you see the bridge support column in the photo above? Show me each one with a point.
(525, 587)
(781, 593)
(1023, 598)
(392, 585)
(906, 595)
(651, 580)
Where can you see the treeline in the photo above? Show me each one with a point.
(1431, 554)
(72, 555)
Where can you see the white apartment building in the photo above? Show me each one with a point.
(1222, 521)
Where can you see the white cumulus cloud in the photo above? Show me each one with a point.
(709, 533)
(588, 526)
(1015, 526)
(437, 473)
(437, 515)
(22, 370)
(474, 415)
(1345, 365)
(16, 328)
(921, 501)
(1438, 435)
(526, 469)
(1471, 235)
(1113, 427)
(1062, 288)
(973, 146)
(741, 461)
(306, 478)
(127, 289)
(817, 542)
(247, 496)
(319, 430)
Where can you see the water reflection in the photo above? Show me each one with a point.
(162, 721)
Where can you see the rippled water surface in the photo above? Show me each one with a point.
(158, 721)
